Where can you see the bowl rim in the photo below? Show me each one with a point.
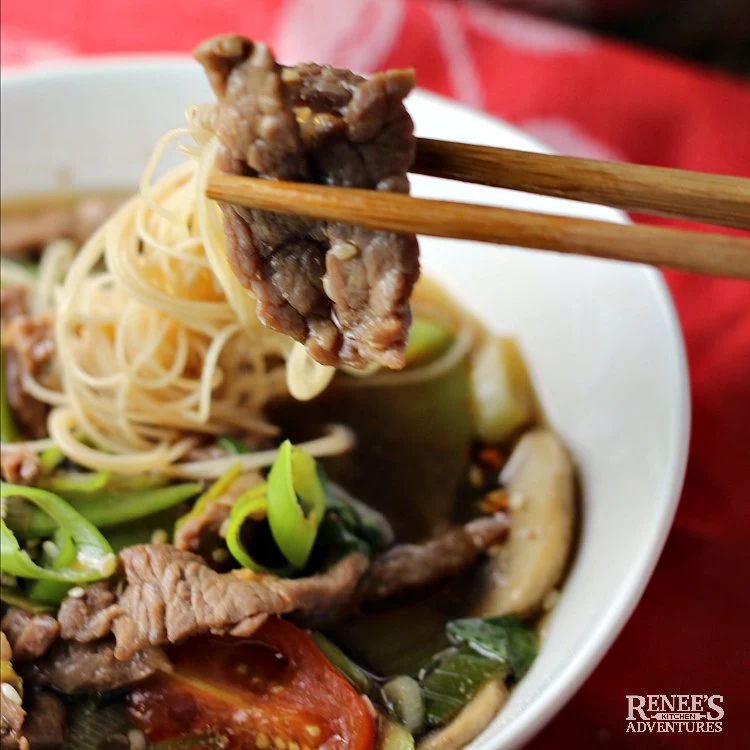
(556, 693)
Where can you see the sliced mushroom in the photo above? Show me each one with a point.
(471, 720)
(540, 483)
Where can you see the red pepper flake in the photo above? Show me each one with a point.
(493, 458)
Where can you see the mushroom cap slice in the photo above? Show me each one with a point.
(539, 477)
(471, 720)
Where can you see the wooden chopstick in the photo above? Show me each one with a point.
(719, 255)
(677, 193)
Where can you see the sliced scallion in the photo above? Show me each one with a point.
(93, 553)
(296, 503)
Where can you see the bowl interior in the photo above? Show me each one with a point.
(601, 338)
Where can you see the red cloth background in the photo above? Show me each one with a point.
(582, 96)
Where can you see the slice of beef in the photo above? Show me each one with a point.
(342, 291)
(71, 667)
(411, 566)
(44, 728)
(209, 522)
(13, 302)
(29, 635)
(12, 716)
(29, 346)
(88, 617)
(19, 466)
(32, 230)
(172, 595)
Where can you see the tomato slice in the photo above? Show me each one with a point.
(275, 691)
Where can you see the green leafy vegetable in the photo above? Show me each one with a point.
(232, 446)
(296, 503)
(8, 430)
(94, 557)
(508, 640)
(350, 527)
(453, 680)
(105, 508)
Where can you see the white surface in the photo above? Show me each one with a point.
(601, 338)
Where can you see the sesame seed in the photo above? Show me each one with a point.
(517, 500)
(262, 742)
(242, 669)
(312, 730)
(256, 681)
(277, 689)
(344, 250)
(50, 549)
(137, 739)
(77, 592)
(279, 743)
(220, 555)
(159, 536)
(11, 694)
(293, 746)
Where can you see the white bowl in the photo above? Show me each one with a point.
(601, 338)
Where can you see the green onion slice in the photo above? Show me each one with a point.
(232, 446)
(76, 482)
(54, 592)
(296, 503)
(216, 490)
(94, 558)
(50, 459)
(106, 509)
(8, 430)
(252, 505)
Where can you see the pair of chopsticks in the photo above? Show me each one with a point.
(705, 198)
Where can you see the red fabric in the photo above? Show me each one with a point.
(582, 96)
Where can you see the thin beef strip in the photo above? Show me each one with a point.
(44, 728)
(341, 290)
(171, 595)
(71, 667)
(410, 566)
(29, 635)
(29, 345)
